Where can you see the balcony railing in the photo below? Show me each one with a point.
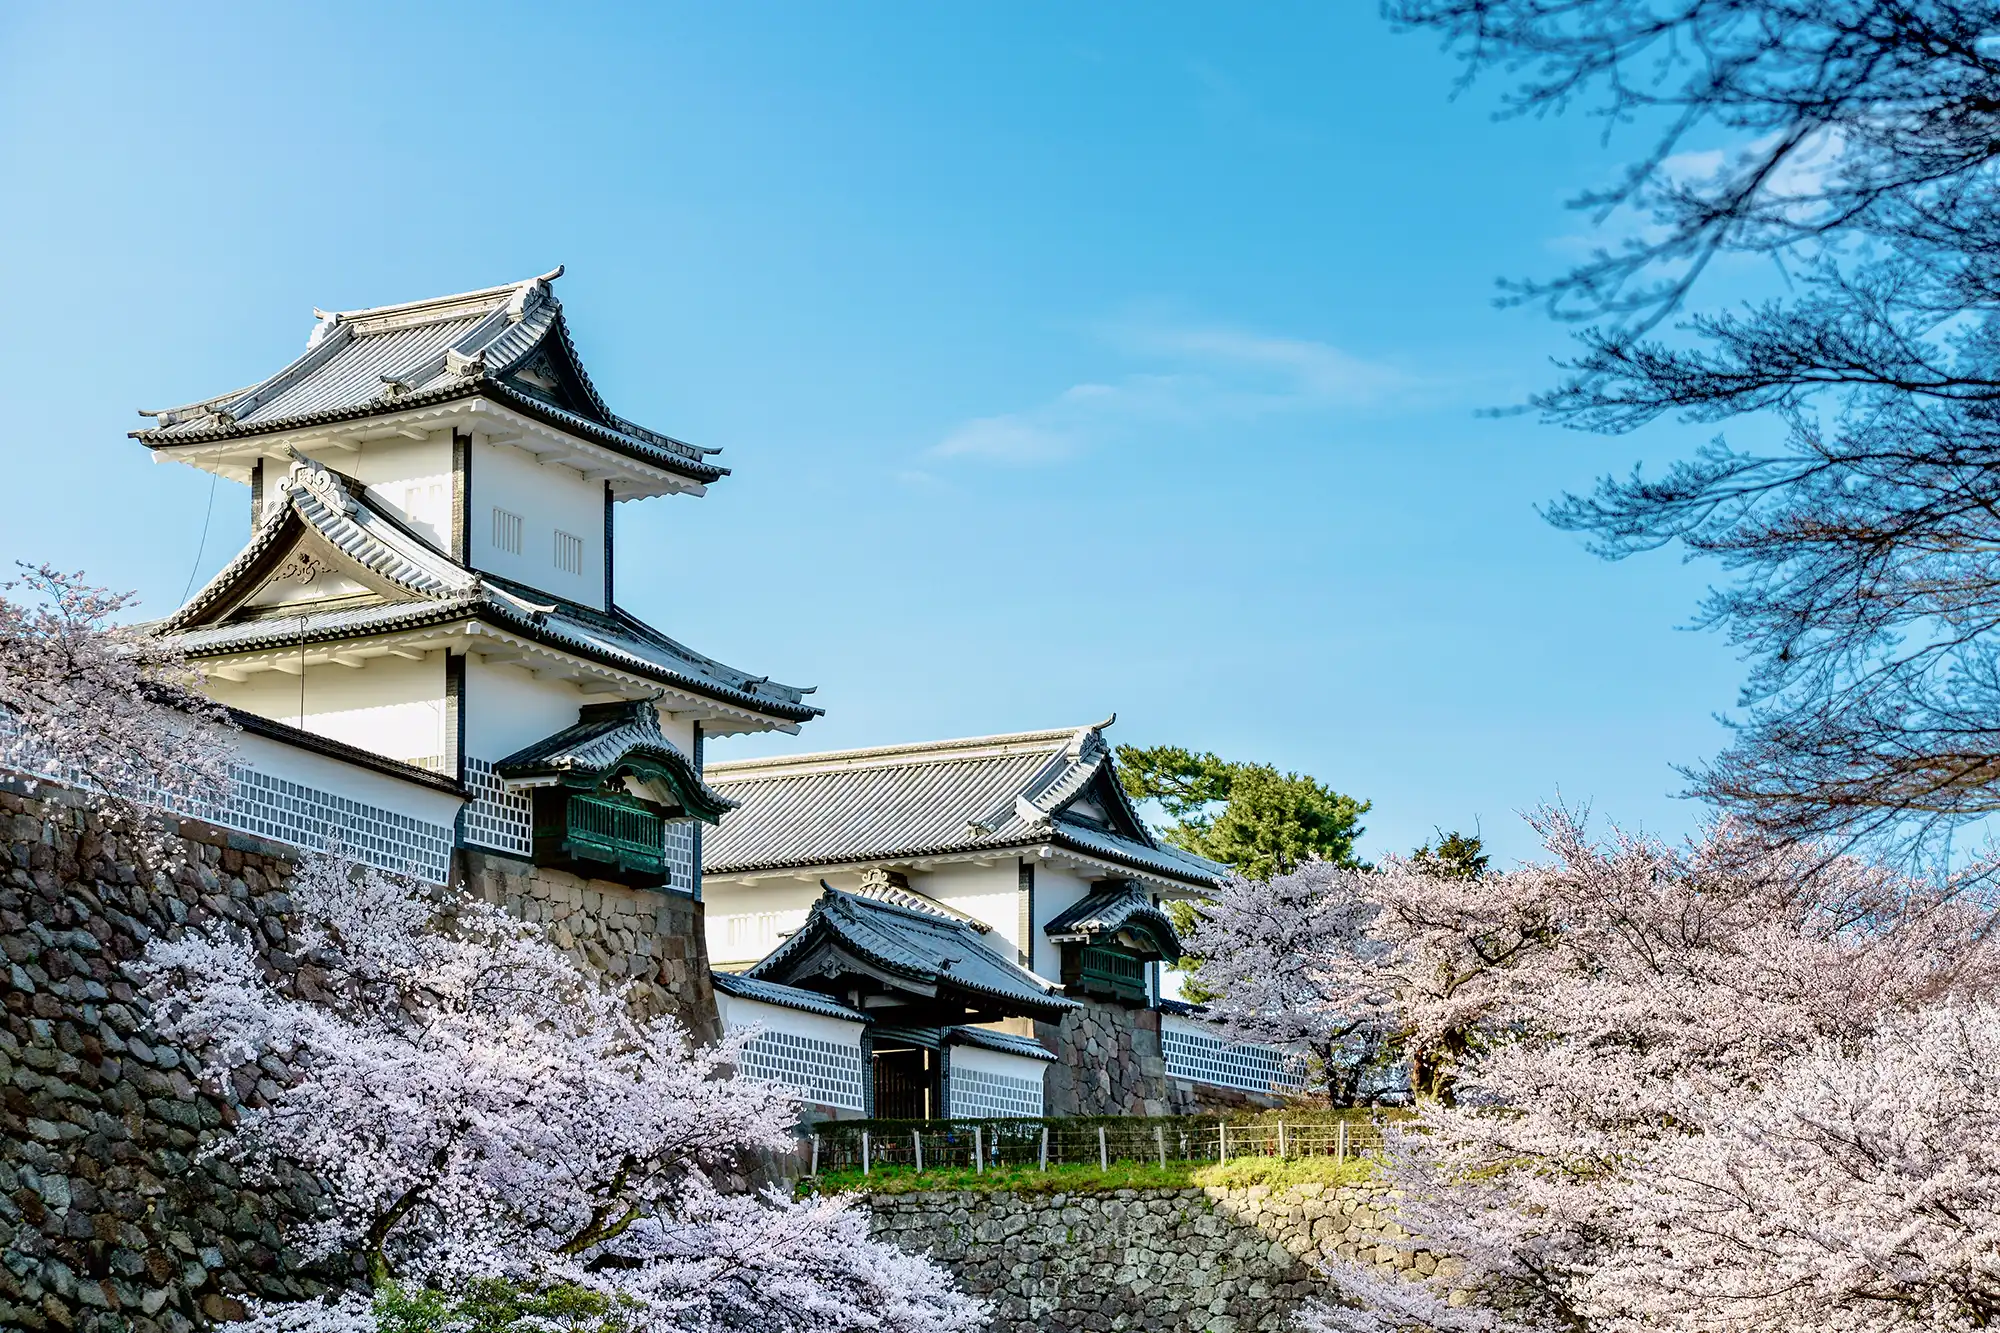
(598, 828)
(1112, 972)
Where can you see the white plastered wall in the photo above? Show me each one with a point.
(410, 478)
(508, 707)
(737, 1012)
(1055, 889)
(547, 498)
(988, 893)
(998, 1062)
(745, 922)
(388, 705)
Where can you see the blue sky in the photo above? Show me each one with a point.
(1069, 360)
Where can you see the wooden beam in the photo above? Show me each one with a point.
(289, 665)
(351, 659)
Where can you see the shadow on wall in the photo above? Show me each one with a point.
(1184, 1261)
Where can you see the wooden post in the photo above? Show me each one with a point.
(1222, 1154)
(1045, 1147)
(1160, 1138)
(815, 1169)
(864, 1152)
(1284, 1148)
(1340, 1146)
(978, 1151)
(1103, 1153)
(917, 1138)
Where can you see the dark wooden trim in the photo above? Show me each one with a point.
(454, 712)
(608, 568)
(1026, 888)
(256, 494)
(696, 855)
(461, 497)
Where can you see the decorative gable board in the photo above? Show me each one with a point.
(304, 576)
(302, 569)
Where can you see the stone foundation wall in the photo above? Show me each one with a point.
(109, 1218)
(657, 940)
(1108, 1062)
(1165, 1261)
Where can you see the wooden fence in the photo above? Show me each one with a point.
(929, 1145)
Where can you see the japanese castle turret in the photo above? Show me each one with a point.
(421, 639)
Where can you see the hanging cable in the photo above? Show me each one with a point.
(202, 549)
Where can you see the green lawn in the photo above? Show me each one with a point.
(1074, 1179)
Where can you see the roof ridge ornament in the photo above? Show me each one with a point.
(465, 366)
(1083, 736)
(518, 304)
(326, 321)
(318, 479)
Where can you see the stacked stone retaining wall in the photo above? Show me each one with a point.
(110, 1216)
(1163, 1261)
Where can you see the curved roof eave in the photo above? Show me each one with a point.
(641, 451)
(425, 615)
(1013, 843)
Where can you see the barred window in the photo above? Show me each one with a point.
(506, 531)
(569, 552)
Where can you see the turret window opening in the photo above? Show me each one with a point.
(569, 552)
(506, 531)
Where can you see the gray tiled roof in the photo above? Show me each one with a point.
(791, 997)
(909, 801)
(605, 736)
(441, 592)
(1109, 911)
(924, 947)
(1008, 1042)
(391, 358)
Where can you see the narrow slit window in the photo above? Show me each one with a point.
(569, 552)
(506, 531)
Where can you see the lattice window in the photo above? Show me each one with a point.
(979, 1094)
(821, 1071)
(1200, 1058)
(495, 817)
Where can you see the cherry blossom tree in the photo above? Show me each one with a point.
(481, 1109)
(108, 708)
(1353, 966)
(1733, 1086)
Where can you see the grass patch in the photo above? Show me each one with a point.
(1086, 1178)
(1279, 1172)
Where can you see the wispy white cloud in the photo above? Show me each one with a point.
(1206, 376)
(1798, 181)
